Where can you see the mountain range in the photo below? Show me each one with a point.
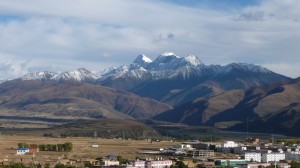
(171, 79)
(169, 88)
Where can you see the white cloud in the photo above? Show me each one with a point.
(64, 34)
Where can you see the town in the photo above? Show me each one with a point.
(147, 153)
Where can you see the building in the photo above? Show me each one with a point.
(158, 163)
(22, 151)
(239, 150)
(292, 155)
(107, 162)
(95, 146)
(230, 144)
(33, 149)
(138, 163)
(253, 156)
(230, 162)
(202, 154)
(183, 147)
(149, 163)
(272, 157)
(254, 165)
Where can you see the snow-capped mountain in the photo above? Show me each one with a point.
(40, 76)
(170, 78)
(245, 67)
(176, 80)
(80, 74)
(142, 60)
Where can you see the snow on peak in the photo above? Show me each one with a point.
(145, 58)
(247, 67)
(193, 60)
(79, 74)
(166, 54)
(45, 75)
(142, 60)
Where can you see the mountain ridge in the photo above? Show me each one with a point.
(273, 108)
(173, 79)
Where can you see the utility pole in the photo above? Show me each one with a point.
(247, 128)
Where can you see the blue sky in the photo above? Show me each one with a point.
(61, 35)
(216, 4)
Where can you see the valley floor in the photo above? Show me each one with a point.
(82, 148)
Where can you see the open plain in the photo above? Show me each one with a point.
(82, 148)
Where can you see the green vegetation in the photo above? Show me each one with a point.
(13, 165)
(89, 165)
(121, 160)
(66, 147)
(289, 141)
(59, 165)
(295, 164)
(179, 164)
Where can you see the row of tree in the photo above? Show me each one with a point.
(66, 147)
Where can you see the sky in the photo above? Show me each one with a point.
(62, 35)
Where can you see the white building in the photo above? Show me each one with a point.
(107, 162)
(138, 164)
(253, 157)
(158, 163)
(272, 157)
(183, 147)
(230, 144)
(95, 146)
(22, 151)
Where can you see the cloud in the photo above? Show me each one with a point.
(253, 16)
(98, 34)
(11, 69)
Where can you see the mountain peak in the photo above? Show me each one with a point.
(247, 67)
(167, 54)
(142, 60)
(193, 60)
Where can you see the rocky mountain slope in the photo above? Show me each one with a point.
(271, 108)
(72, 100)
(177, 80)
(170, 78)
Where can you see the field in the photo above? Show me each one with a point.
(82, 149)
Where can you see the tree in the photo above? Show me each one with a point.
(47, 165)
(88, 164)
(22, 145)
(68, 146)
(180, 164)
(17, 165)
(295, 164)
(121, 160)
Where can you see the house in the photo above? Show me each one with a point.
(22, 151)
(33, 149)
(107, 162)
(95, 146)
